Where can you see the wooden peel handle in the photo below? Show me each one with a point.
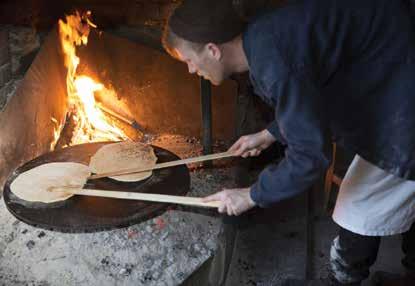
(163, 165)
(191, 201)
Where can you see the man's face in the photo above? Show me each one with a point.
(205, 63)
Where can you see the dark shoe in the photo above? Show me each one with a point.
(381, 278)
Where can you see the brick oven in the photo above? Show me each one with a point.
(142, 78)
(149, 97)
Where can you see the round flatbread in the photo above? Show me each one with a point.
(121, 156)
(36, 185)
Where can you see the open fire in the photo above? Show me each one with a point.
(91, 124)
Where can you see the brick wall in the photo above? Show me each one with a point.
(5, 66)
(25, 24)
(18, 48)
(110, 13)
(22, 27)
(154, 12)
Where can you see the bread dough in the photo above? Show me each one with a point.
(36, 185)
(122, 156)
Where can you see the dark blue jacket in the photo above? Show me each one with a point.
(342, 69)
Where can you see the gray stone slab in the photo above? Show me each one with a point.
(268, 252)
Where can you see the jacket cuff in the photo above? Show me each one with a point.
(274, 129)
(256, 196)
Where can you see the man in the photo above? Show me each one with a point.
(342, 69)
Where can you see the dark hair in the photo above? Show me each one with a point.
(198, 22)
(170, 41)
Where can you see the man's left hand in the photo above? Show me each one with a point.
(233, 201)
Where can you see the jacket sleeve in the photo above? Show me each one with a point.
(299, 120)
(274, 129)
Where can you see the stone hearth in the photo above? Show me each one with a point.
(162, 251)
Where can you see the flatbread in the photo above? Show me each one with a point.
(121, 156)
(36, 185)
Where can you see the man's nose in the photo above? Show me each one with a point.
(191, 68)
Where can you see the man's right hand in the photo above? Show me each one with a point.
(253, 144)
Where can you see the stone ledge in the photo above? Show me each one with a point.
(7, 92)
(23, 41)
(4, 46)
(5, 74)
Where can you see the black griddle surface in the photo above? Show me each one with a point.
(90, 214)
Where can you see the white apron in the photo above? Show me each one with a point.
(373, 202)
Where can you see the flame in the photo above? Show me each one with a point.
(91, 123)
(56, 132)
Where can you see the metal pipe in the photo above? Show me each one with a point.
(122, 118)
(206, 99)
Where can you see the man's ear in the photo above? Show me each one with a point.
(214, 51)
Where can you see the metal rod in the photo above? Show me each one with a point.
(134, 124)
(206, 97)
(116, 115)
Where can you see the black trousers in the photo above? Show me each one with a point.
(352, 255)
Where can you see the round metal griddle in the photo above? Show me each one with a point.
(89, 214)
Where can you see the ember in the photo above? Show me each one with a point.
(132, 234)
(160, 223)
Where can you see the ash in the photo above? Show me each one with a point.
(161, 251)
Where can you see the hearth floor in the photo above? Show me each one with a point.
(267, 255)
(161, 251)
(289, 241)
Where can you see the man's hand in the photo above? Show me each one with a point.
(233, 201)
(253, 144)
